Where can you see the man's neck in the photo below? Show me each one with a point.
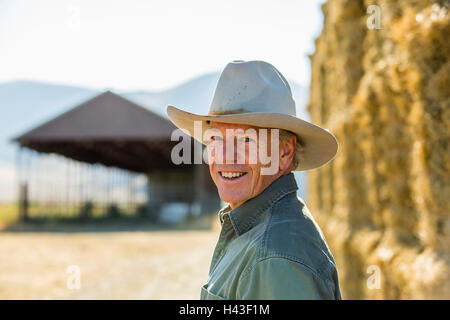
(275, 177)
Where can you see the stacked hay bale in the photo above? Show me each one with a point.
(383, 202)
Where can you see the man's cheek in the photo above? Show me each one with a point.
(252, 154)
(215, 153)
(273, 165)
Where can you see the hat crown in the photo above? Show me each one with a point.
(252, 86)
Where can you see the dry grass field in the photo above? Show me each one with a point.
(164, 264)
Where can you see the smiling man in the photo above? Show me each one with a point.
(270, 246)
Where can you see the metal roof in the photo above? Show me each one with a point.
(107, 129)
(106, 116)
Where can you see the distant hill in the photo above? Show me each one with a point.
(26, 104)
(196, 95)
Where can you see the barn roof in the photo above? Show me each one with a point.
(106, 116)
(107, 129)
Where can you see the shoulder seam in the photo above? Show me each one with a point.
(263, 249)
(262, 252)
(284, 257)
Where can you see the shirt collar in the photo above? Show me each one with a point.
(244, 217)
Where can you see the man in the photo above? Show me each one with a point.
(269, 246)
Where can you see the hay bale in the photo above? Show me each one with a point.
(383, 201)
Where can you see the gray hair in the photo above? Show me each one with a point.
(299, 147)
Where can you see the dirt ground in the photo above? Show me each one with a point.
(113, 265)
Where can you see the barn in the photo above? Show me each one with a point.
(108, 154)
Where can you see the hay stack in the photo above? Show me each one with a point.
(385, 93)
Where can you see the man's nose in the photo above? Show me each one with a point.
(229, 152)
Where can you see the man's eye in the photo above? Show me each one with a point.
(246, 139)
(216, 138)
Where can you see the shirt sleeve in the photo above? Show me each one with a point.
(281, 279)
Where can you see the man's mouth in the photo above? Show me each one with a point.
(231, 175)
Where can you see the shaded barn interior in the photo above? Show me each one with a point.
(114, 132)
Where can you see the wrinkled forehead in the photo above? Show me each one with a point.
(223, 126)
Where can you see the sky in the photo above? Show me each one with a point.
(152, 45)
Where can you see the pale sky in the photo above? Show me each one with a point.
(152, 45)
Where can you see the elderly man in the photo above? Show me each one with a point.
(269, 246)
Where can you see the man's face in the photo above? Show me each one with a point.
(243, 179)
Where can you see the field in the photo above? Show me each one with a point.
(8, 213)
(158, 264)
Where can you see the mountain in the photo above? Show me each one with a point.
(26, 104)
(193, 95)
(196, 95)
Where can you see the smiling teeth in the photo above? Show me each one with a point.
(231, 174)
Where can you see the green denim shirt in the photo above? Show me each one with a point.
(271, 248)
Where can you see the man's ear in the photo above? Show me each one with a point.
(287, 150)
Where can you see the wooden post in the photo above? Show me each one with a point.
(199, 195)
(23, 202)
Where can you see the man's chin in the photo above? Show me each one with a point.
(232, 198)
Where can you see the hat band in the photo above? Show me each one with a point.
(219, 113)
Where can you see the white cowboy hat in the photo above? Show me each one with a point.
(256, 93)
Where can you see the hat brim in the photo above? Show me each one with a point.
(320, 146)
